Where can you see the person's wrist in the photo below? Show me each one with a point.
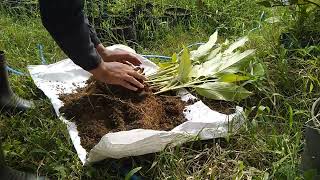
(102, 50)
(97, 69)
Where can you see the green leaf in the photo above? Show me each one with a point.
(164, 65)
(265, 3)
(214, 53)
(317, 2)
(39, 151)
(208, 68)
(272, 20)
(241, 42)
(62, 170)
(185, 66)
(258, 70)
(241, 165)
(310, 174)
(230, 78)
(219, 64)
(222, 91)
(235, 58)
(311, 87)
(226, 42)
(205, 49)
(132, 172)
(290, 116)
(212, 74)
(174, 58)
(266, 176)
(262, 109)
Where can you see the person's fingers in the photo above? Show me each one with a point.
(139, 69)
(133, 81)
(129, 64)
(128, 86)
(137, 75)
(133, 59)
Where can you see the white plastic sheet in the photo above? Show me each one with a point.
(204, 123)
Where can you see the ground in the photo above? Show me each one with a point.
(269, 145)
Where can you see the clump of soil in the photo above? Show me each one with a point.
(223, 107)
(99, 109)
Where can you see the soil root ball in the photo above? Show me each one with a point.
(99, 109)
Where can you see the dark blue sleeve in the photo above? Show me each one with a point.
(67, 24)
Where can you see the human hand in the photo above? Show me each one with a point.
(118, 55)
(118, 74)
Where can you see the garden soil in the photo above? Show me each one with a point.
(99, 109)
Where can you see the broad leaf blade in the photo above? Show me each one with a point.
(317, 2)
(230, 78)
(242, 41)
(185, 67)
(174, 60)
(214, 53)
(208, 68)
(222, 91)
(204, 49)
(164, 65)
(258, 70)
(235, 58)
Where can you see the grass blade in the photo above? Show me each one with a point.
(132, 172)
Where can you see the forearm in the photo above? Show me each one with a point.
(93, 35)
(67, 24)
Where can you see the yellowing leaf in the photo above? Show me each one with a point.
(174, 58)
(311, 87)
(185, 66)
(230, 78)
(164, 65)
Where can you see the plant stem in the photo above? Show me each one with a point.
(165, 89)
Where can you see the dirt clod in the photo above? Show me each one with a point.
(99, 109)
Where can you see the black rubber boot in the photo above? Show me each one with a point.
(311, 156)
(9, 102)
(7, 173)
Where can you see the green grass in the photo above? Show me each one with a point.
(269, 145)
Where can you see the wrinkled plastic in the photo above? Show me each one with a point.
(203, 123)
